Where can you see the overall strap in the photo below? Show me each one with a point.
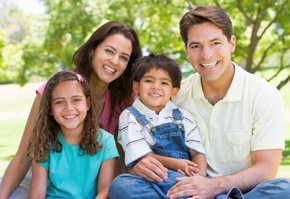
(141, 119)
(177, 116)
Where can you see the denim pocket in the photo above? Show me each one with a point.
(238, 145)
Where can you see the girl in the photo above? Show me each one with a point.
(72, 157)
(105, 59)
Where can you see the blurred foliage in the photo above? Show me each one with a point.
(41, 45)
(286, 154)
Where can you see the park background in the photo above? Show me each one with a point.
(39, 37)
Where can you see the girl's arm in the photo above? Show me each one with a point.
(20, 163)
(38, 182)
(106, 176)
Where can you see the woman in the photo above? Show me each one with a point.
(105, 59)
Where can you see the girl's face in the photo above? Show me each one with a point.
(155, 89)
(69, 106)
(111, 57)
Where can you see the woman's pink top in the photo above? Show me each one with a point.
(109, 126)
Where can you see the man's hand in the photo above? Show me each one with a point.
(194, 187)
(150, 169)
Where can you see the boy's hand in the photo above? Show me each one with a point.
(150, 169)
(189, 168)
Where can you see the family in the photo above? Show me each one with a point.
(125, 126)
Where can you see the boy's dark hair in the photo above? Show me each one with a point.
(202, 14)
(144, 64)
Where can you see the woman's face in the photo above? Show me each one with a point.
(111, 57)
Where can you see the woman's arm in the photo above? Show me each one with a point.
(120, 165)
(106, 176)
(20, 163)
(38, 182)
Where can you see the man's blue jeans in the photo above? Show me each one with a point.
(127, 186)
(141, 187)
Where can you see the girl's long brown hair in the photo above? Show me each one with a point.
(46, 129)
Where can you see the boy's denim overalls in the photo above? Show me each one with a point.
(170, 142)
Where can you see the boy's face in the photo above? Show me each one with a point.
(155, 89)
(209, 52)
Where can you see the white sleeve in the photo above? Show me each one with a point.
(192, 137)
(131, 139)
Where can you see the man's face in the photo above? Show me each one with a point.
(209, 52)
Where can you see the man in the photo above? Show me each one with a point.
(239, 117)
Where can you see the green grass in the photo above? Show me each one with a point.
(15, 103)
(285, 163)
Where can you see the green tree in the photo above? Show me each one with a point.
(13, 30)
(70, 23)
(156, 23)
(3, 67)
(263, 35)
(262, 29)
(260, 26)
(13, 22)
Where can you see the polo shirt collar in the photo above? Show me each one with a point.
(235, 91)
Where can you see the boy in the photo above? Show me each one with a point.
(154, 126)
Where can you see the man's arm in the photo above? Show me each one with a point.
(264, 167)
(265, 164)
